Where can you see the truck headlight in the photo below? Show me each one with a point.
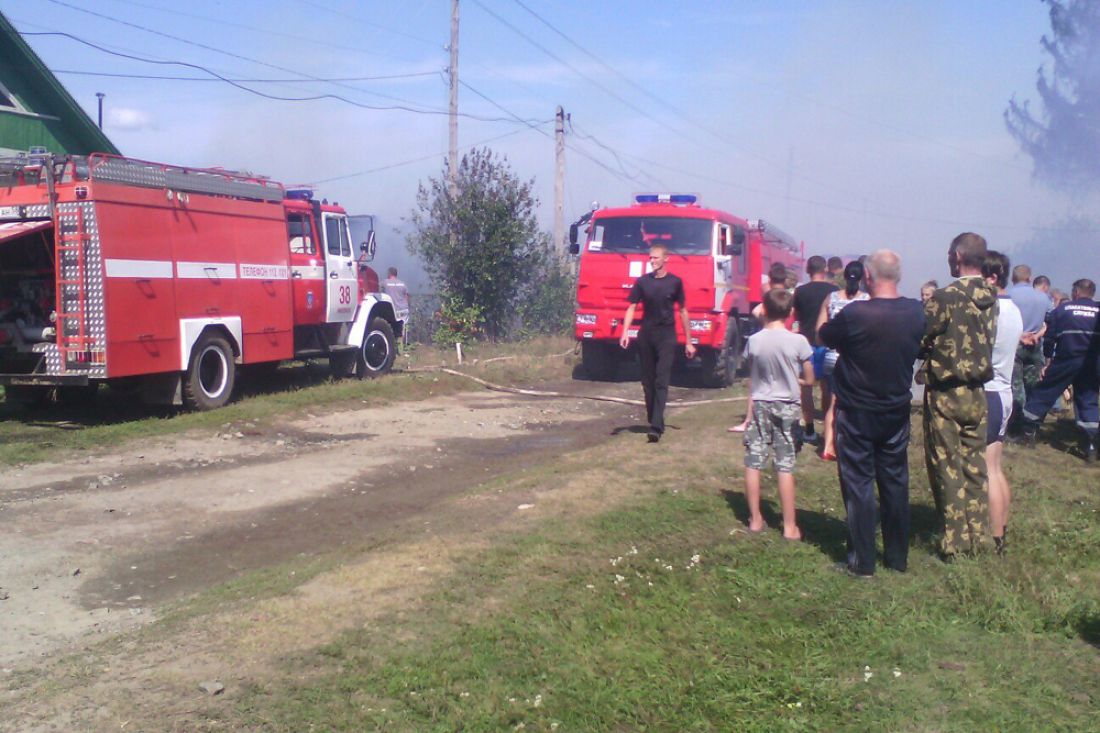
(586, 319)
(700, 325)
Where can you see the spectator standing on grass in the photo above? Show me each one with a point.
(878, 340)
(1042, 284)
(961, 320)
(1028, 364)
(836, 302)
(659, 292)
(779, 367)
(777, 280)
(397, 291)
(1070, 347)
(808, 299)
(998, 394)
(836, 271)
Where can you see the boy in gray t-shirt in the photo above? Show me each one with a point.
(780, 364)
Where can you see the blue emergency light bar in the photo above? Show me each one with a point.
(302, 194)
(681, 199)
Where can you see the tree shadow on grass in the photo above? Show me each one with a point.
(828, 534)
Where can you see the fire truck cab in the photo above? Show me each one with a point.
(721, 258)
(171, 279)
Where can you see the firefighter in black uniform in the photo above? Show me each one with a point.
(1071, 349)
(658, 292)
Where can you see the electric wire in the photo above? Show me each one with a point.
(215, 49)
(265, 95)
(420, 159)
(838, 207)
(327, 43)
(77, 72)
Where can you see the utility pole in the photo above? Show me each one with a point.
(559, 183)
(452, 153)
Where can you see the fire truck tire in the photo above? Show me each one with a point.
(27, 397)
(727, 360)
(208, 383)
(600, 360)
(378, 351)
(78, 396)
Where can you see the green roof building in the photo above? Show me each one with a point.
(35, 109)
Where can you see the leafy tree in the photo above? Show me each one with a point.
(1063, 140)
(549, 303)
(480, 245)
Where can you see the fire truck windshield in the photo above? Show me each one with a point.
(638, 233)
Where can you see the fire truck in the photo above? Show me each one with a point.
(170, 282)
(722, 259)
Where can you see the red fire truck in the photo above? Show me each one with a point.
(721, 258)
(168, 280)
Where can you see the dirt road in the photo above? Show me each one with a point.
(94, 546)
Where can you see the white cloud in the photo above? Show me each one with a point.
(129, 119)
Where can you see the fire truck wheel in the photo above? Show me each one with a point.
(21, 396)
(81, 396)
(724, 363)
(601, 361)
(378, 351)
(208, 383)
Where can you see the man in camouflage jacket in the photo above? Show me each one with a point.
(960, 325)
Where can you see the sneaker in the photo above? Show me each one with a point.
(999, 545)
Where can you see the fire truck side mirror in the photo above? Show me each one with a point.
(367, 248)
(574, 246)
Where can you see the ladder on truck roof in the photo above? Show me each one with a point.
(212, 181)
(71, 279)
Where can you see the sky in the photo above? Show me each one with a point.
(851, 124)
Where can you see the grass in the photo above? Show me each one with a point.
(662, 614)
(34, 435)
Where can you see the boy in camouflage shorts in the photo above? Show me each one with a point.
(780, 364)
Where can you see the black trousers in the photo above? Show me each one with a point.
(872, 448)
(657, 352)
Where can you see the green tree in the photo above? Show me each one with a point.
(1063, 139)
(548, 305)
(481, 245)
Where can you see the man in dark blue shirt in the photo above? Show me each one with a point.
(1071, 348)
(877, 340)
(659, 291)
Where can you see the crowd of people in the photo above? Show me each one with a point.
(995, 350)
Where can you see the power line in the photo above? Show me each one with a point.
(827, 205)
(215, 49)
(623, 175)
(420, 159)
(372, 24)
(248, 81)
(741, 149)
(607, 90)
(257, 92)
(327, 43)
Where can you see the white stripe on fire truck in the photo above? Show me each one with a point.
(144, 269)
(252, 271)
(205, 270)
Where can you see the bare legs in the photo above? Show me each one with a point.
(1000, 495)
(786, 501)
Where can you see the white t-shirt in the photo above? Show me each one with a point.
(1010, 326)
(775, 363)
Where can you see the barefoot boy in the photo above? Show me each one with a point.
(780, 364)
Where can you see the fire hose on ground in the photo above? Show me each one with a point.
(568, 395)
